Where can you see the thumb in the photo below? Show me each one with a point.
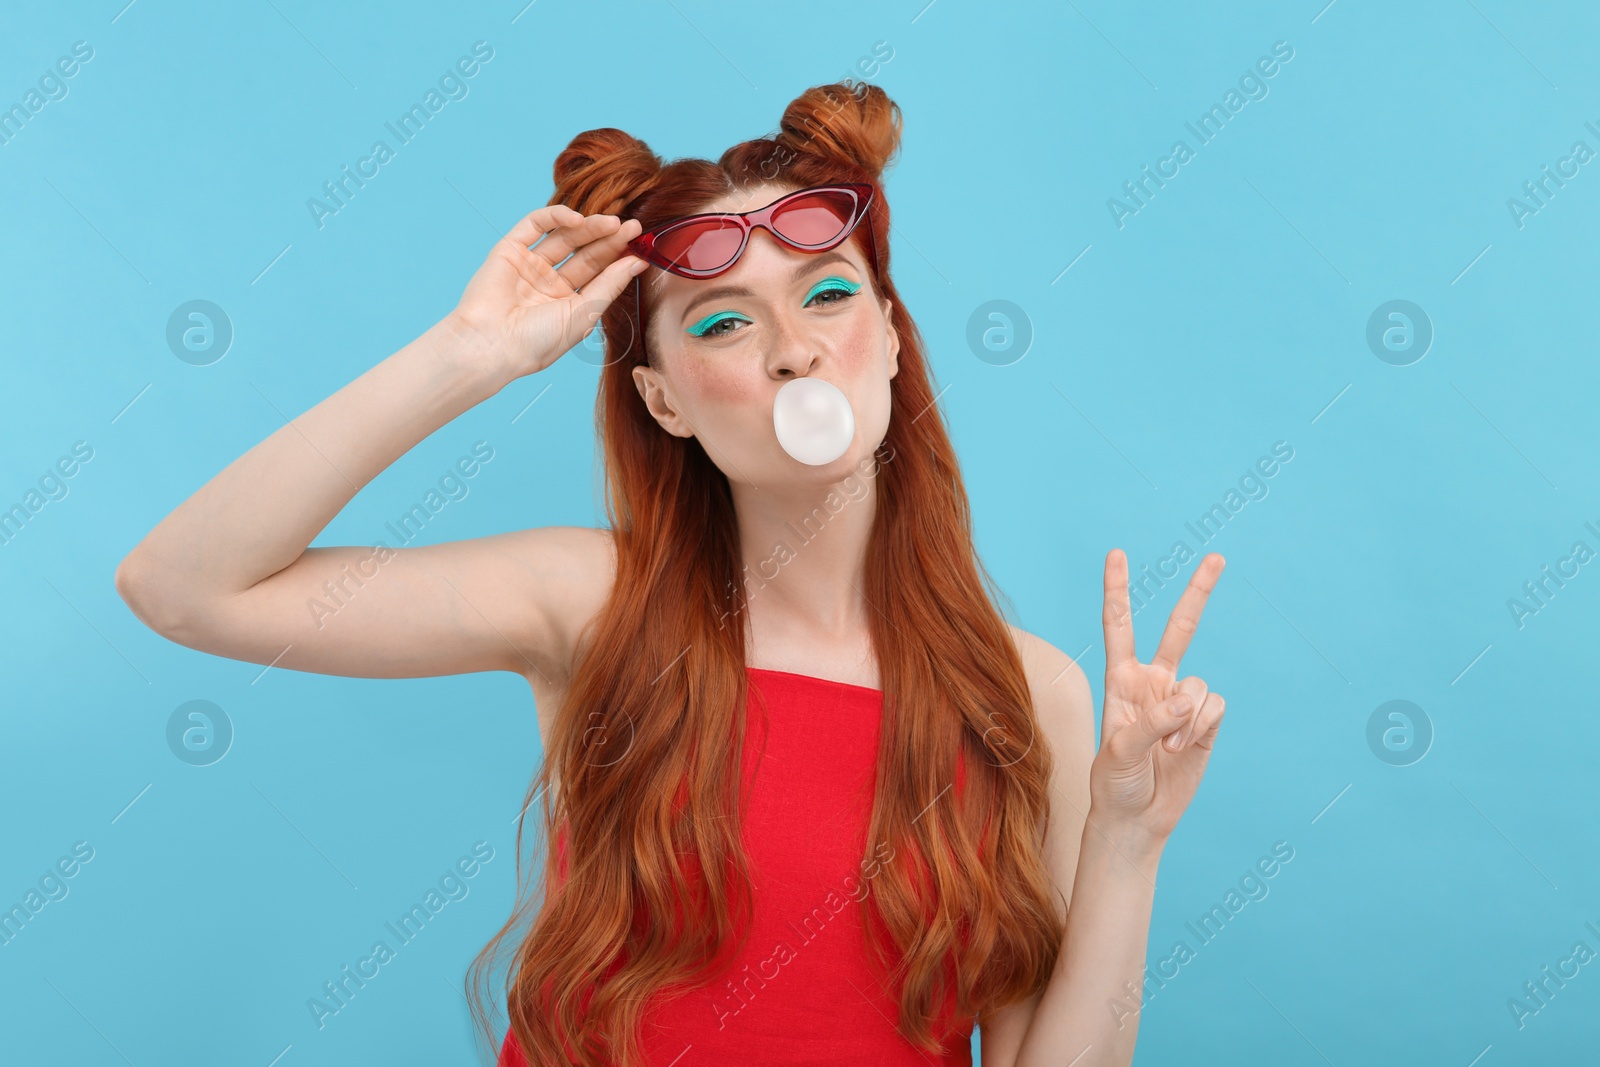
(1160, 720)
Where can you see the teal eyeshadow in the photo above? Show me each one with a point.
(833, 282)
(711, 320)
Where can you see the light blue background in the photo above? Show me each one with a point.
(1228, 314)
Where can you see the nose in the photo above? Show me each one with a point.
(796, 349)
(796, 346)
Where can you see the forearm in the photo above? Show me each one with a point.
(260, 513)
(1090, 1009)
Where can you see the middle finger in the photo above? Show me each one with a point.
(1185, 617)
(559, 242)
(597, 255)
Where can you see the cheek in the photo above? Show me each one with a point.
(862, 350)
(713, 387)
(865, 361)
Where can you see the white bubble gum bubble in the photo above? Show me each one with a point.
(813, 421)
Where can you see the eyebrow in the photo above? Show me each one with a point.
(811, 264)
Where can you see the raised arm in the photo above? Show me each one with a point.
(230, 572)
(1156, 737)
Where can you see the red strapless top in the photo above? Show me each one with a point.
(803, 990)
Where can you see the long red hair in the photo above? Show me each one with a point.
(642, 766)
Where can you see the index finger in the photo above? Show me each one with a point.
(1116, 615)
(1185, 617)
(540, 221)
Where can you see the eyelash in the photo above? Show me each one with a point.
(832, 285)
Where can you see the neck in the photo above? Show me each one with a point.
(803, 551)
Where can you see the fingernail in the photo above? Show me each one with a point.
(1182, 704)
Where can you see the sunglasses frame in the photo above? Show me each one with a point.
(643, 245)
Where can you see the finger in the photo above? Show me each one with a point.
(1159, 721)
(1116, 615)
(559, 243)
(606, 286)
(1205, 723)
(593, 257)
(1197, 691)
(1186, 616)
(540, 221)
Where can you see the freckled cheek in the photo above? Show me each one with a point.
(861, 350)
(864, 361)
(711, 386)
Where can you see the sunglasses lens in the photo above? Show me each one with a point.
(816, 221)
(817, 218)
(703, 245)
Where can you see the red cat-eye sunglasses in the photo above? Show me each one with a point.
(705, 245)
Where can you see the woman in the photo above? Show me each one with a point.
(780, 662)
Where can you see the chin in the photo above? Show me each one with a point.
(833, 470)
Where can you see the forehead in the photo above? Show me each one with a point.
(757, 196)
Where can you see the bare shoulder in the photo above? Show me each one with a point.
(1059, 686)
(1064, 706)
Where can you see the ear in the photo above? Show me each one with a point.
(652, 388)
(894, 338)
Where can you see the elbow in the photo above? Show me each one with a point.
(127, 585)
(134, 586)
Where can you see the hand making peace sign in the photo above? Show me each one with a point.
(1153, 751)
